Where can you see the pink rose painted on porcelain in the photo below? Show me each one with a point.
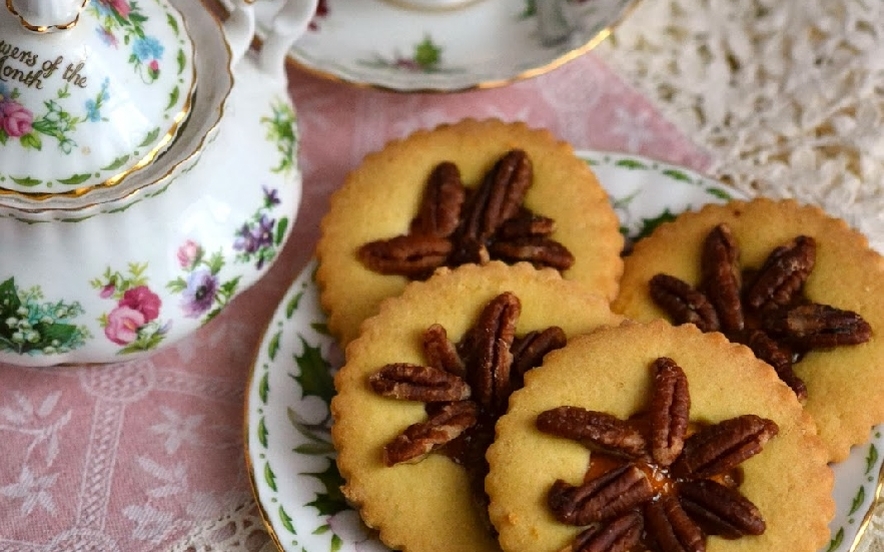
(120, 6)
(16, 119)
(122, 325)
(108, 291)
(153, 69)
(189, 254)
(143, 300)
(133, 321)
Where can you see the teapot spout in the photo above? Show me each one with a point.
(289, 24)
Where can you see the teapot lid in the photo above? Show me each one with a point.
(90, 91)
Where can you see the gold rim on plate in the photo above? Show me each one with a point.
(222, 7)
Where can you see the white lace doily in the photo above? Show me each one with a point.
(786, 95)
(240, 531)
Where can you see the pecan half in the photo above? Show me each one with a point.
(609, 496)
(525, 224)
(620, 535)
(537, 250)
(529, 350)
(783, 274)
(422, 438)
(671, 528)
(683, 303)
(441, 353)
(499, 197)
(489, 342)
(439, 211)
(716, 449)
(780, 357)
(412, 255)
(602, 430)
(722, 277)
(670, 409)
(816, 326)
(412, 382)
(466, 250)
(720, 510)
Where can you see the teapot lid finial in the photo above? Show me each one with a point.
(91, 90)
(46, 15)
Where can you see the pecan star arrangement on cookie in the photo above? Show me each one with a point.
(466, 192)
(800, 288)
(657, 487)
(455, 227)
(423, 385)
(465, 386)
(768, 311)
(657, 437)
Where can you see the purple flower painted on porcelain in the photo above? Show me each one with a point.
(271, 197)
(253, 238)
(258, 238)
(199, 296)
(203, 292)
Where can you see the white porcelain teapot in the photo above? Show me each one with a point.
(148, 171)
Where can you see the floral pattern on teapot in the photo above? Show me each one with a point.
(259, 238)
(202, 292)
(122, 20)
(31, 325)
(281, 131)
(134, 322)
(59, 97)
(56, 121)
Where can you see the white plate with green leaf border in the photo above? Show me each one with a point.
(485, 43)
(288, 446)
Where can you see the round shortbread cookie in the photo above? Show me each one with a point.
(381, 196)
(610, 371)
(845, 384)
(429, 505)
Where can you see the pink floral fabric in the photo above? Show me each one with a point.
(137, 456)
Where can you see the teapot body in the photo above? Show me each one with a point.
(110, 284)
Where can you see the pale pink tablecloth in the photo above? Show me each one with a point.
(139, 456)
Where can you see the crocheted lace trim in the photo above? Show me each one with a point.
(787, 96)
